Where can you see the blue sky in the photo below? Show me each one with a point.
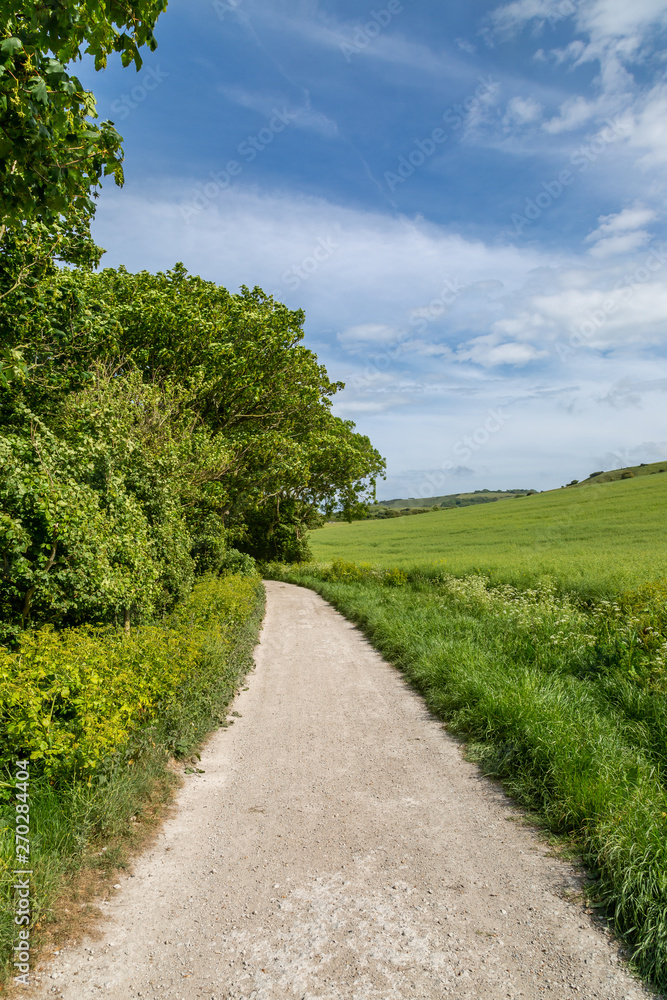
(467, 199)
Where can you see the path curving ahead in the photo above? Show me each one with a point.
(339, 846)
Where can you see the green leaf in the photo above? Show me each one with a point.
(38, 89)
(10, 46)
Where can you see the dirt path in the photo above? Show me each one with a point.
(339, 846)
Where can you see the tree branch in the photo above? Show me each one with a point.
(30, 593)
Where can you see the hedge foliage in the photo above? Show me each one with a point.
(147, 423)
(77, 701)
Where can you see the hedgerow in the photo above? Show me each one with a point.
(98, 713)
(73, 702)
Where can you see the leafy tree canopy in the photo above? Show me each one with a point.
(154, 421)
(52, 155)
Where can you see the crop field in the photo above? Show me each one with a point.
(591, 539)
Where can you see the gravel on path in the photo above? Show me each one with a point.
(338, 845)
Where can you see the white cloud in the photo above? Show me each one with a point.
(484, 351)
(352, 408)
(623, 243)
(629, 218)
(511, 18)
(621, 233)
(614, 18)
(649, 131)
(574, 113)
(521, 110)
(608, 313)
(465, 46)
(603, 19)
(367, 334)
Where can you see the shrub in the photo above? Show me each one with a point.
(627, 475)
(239, 563)
(109, 709)
(77, 702)
(348, 572)
(69, 555)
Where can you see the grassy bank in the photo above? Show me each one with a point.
(98, 715)
(564, 700)
(592, 539)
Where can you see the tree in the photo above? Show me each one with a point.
(321, 468)
(166, 418)
(52, 155)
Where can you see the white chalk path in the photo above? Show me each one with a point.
(338, 845)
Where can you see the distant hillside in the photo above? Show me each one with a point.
(414, 505)
(450, 500)
(629, 472)
(604, 539)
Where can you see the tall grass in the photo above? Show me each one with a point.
(565, 701)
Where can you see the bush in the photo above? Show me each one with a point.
(239, 563)
(77, 702)
(627, 475)
(109, 709)
(348, 572)
(69, 554)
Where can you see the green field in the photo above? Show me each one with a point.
(591, 539)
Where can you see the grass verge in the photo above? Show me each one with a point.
(88, 816)
(560, 702)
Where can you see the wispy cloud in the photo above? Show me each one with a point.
(511, 307)
(632, 392)
(521, 110)
(602, 19)
(620, 38)
(320, 27)
(301, 115)
(621, 233)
